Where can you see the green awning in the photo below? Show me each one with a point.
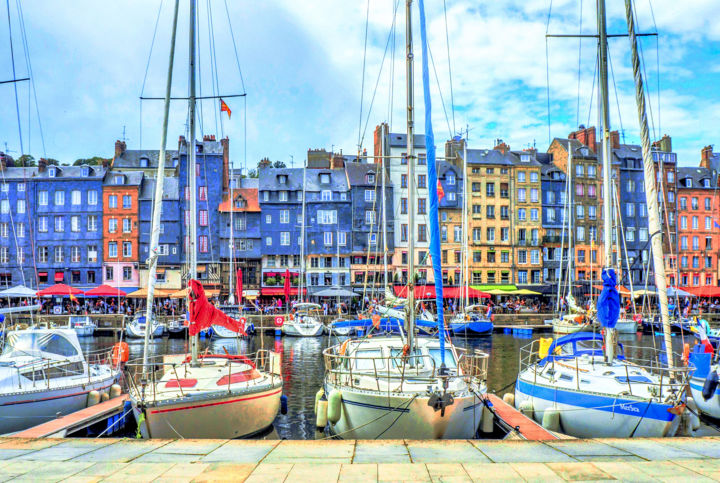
(488, 288)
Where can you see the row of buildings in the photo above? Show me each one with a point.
(89, 225)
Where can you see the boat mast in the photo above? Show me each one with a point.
(231, 286)
(157, 200)
(607, 163)
(465, 267)
(384, 213)
(192, 245)
(410, 321)
(651, 197)
(302, 241)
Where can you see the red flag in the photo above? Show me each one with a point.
(441, 191)
(286, 287)
(224, 108)
(239, 286)
(203, 314)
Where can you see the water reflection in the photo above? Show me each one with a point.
(303, 368)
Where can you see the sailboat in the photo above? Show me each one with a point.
(209, 395)
(404, 386)
(581, 384)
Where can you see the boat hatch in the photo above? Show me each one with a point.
(181, 383)
(565, 377)
(369, 359)
(450, 361)
(32, 343)
(624, 379)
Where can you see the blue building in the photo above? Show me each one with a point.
(280, 198)
(367, 199)
(171, 233)
(240, 212)
(450, 177)
(17, 207)
(68, 212)
(553, 217)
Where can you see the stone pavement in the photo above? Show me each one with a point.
(124, 460)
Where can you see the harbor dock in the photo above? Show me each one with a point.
(696, 459)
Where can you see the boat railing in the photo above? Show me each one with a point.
(146, 384)
(654, 361)
(473, 365)
(343, 368)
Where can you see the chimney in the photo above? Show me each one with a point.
(614, 139)
(3, 161)
(208, 137)
(181, 142)
(706, 154)
(501, 146)
(42, 165)
(106, 163)
(338, 162)
(586, 136)
(120, 148)
(225, 143)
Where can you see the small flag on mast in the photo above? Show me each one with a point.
(440, 191)
(224, 108)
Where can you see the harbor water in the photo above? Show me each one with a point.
(303, 370)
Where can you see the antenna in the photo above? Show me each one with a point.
(123, 136)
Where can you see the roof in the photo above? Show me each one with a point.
(131, 158)
(95, 172)
(338, 180)
(130, 178)
(171, 188)
(444, 166)
(397, 140)
(576, 146)
(248, 194)
(268, 179)
(357, 174)
(697, 175)
(546, 172)
(496, 157)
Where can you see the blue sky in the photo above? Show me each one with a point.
(302, 69)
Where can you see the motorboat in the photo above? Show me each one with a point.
(235, 312)
(176, 327)
(473, 321)
(628, 325)
(382, 390)
(44, 374)
(136, 328)
(592, 397)
(303, 321)
(82, 325)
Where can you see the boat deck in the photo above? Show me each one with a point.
(696, 459)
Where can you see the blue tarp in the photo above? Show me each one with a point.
(608, 307)
(432, 184)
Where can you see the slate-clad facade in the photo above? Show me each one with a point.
(17, 220)
(555, 239)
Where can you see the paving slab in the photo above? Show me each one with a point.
(650, 449)
(626, 458)
(98, 471)
(56, 471)
(358, 473)
(520, 451)
(28, 443)
(448, 473)
(579, 472)
(536, 472)
(65, 451)
(220, 472)
(669, 471)
(14, 468)
(331, 451)
(182, 472)
(705, 467)
(705, 447)
(155, 457)
(451, 451)
(491, 472)
(303, 472)
(381, 451)
(122, 451)
(624, 471)
(192, 446)
(269, 472)
(241, 451)
(138, 472)
(7, 454)
(403, 472)
(584, 447)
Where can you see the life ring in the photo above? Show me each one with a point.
(343, 347)
(120, 353)
(637, 318)
(279, 321)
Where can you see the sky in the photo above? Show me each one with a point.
(313, 80)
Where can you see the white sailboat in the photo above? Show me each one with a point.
(209, 395)
(403, 386)
(575, 384)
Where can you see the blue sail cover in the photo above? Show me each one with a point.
(608, 307)
(432, 184)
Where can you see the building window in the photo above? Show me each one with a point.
(75, 197)
(422, 233)
(327, 238)
(490, 234)
(327, 217)
(403, 233)
(403, 206)
(521, 195)
(203, 244)
(59, 255)
(92, 198)
(127, 225)
(369, 217)
(403, 181)
(450, 178)
(92, 222)
(42, 198)
(127, 249)
(422, 206)
(43, 224)
(369, 196)
(92, 254)
(59, 224)
(112, 250)
(282, 196)
(127, 202)
(21, 206)
(285, 238)
(112, 225)
(20, 230)
(202, 193)
(43, 253)
(203, 218)
(342, 238)
(422, 181)
(109, 273)
(268, 241)
(285, 216)
(21, 187)
(4, 255)
(59, 198)
(75, 223)
(372, 239)
(75, 254)
(112, 201)
(4, 230)
(127, 273)
(326, 195)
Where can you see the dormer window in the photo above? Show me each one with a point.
(145, 162)
(85, 171)
(706, 183)
(326, 195)
(118, 179)
(324, 178)
(52, 172)
(450, 178)
(282, 179)
(174, 162)
(688, 183)
(584, 152)
(525, 158)
(240, 203)
(370, 178)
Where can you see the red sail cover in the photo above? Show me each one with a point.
(239, 286)
(203, 314)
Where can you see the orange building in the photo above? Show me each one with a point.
(121, 230)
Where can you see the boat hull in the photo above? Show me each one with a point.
(297, 330)
(472, 328)
(375, 415)
(133, 333)
(220, 415)
(27, 409)
(85, 331)
(585, 414)
(626, 326)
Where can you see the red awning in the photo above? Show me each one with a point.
(60, 290)
(105, 291)
(42, 274)
(280, 291)
(706, 291)
(428, 292)
(59, 276)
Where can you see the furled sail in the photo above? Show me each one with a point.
(203, 314)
